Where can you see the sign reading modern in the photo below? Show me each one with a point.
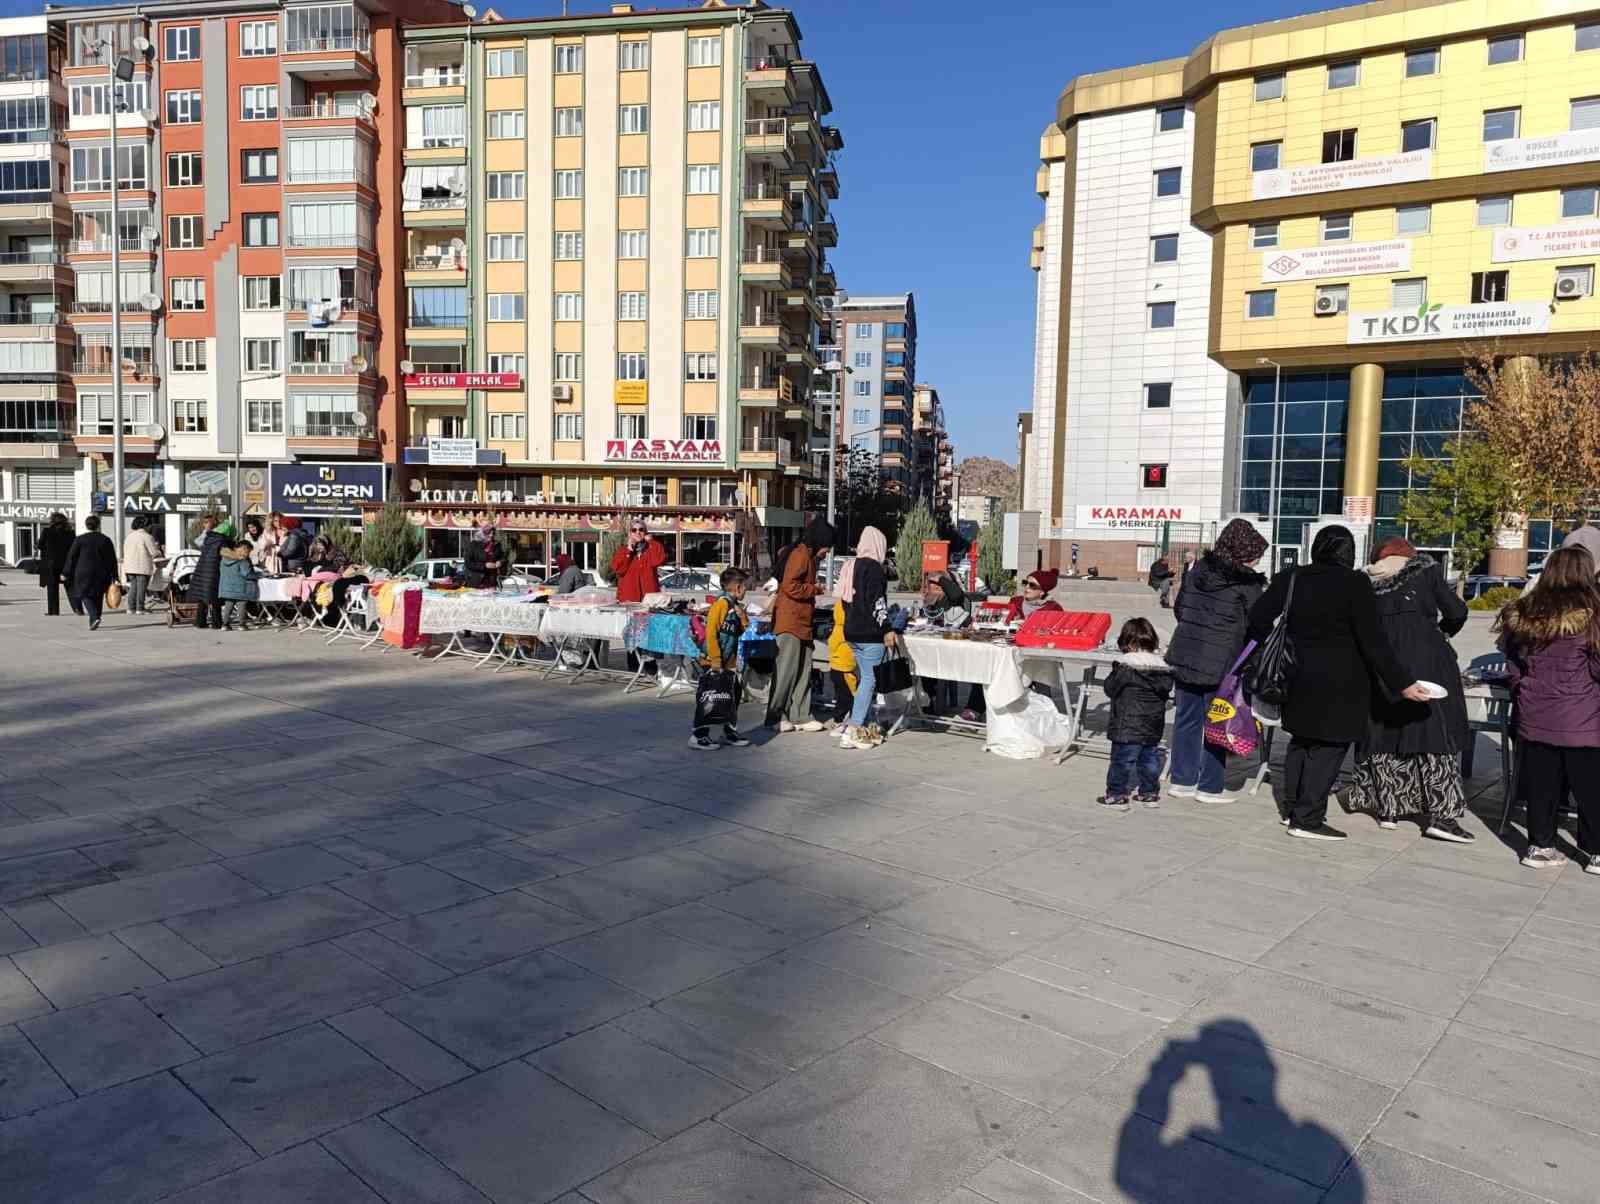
(665, 451)
(1515, 243)
(1338, 259)
(1450, 322)
(1570, 146)
(326, 490)
(1122, 517)
(1335, 177)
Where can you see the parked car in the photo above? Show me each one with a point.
(524, 576)
(1477, 585)
(432, 570)
(680, 580)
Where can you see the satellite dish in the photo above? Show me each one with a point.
(129, 366)
(142, 45)
(358, 363)
(469, 12)
(156, 431)
(359, 418)
(150, 234)
(458, 245)
(407, 367)
(151, 301)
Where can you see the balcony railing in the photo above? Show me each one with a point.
(102, 246)
(436, 321)
(331, 430)
(324, 368)
(437, 263)
(34, 317)
(360, 41)
(331, 108)
(363, 241)
(760, 253)
(766, 127)
(456, 200)
(347, 305)
(37, 434)
(440, 142)
(30, 196)
(102, 367)
(438, 77)
(29, 258)
(770, 57)
(766, 190)
(108, 427)
(768, 445)
(333, 175)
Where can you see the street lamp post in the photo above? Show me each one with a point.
(237, 484)
(117, 69)
(1277, 450)
(837, 370)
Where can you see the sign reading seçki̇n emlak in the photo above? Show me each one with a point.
(463, 380)
(1128, 516)
(1450, 322)
(325, 490)
(665, 451)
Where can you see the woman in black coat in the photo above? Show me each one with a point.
(90, 569)
(206, 579)
(54, 544)
(1409, 763)
(1340, 652)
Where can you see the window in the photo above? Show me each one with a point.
(263, 292)
(633, 119)
(631, 366)
(645, 491)
(1422, 62)
(1411, 293)
(1158, 396)
(507, 185)
(1338, 146)
(265, 417)
(188, 293)
(328, 27)
(94, 99)
(509, 61)
(631, 307)
(1164, 248)
(91, 169)
(1343, 75)
(180, 43)
(863, 330)
(1264, 156)
(568, 366)
(1163, 315)
(507, 363)
(258, 166)
(1153, 476)
(1418, 135)
(186, 355)
(425, 307)
(569, 123)
(894, 330)
(183, 169)
(508, 426)
(569, 184)
(702, 303)
(569, 307)
(1489, 287)
(1494, 211)
(1500, 124)
(633, 244)
(569, 59)
(1588, 37)
(344, 160)
(258, 39)
(1269, 87)
(699, 426)
(1505, 49)
(698, 366)
(1413, 219)
(510, 123)
(258, 102)
(863, 359)
(1578, 202)
(1261, 304)
(633, 56)
(508, 247)
(330, 224)
(632, 424)
(261, 229)
(705, 114)
(1263, 235)
(1168, 118)
(183, 232)
(860, 417)
(705, 52)
(704, 178)
(1586, 114)
(569, 244)
(569, 427)
(432, 126)
(507, 307)
(1333, 299)
(863, 388)
(263, 355)
(1576, 281)
(703, 244)
(183, 108)
(1169, 181)
(189, 417)
(1336, 227)
(633, 181)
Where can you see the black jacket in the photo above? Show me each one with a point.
(207, 576)
(1341, 652)
(292, 550)
(866, 616)
(1212, 610)
(1417, 612)
(54, 544)
(477, 572)
(91, 565)
(1159, 572)
(1139, 686)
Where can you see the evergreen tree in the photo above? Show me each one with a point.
(609, 543)
(991, 556)
(393, 541)
(918, 526)
(345, 537)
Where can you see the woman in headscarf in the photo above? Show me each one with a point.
(1408, 765)
(864, 590)
(793, 612)
(482, 570)
(1341, 657)
(54, 544)
(206, 579)
(293, 546)
(1212, 610)
(945, 604)
(568, 575)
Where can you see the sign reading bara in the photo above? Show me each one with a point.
(1127, 517)
(1338, 259)
(1450, 322)
(462, 380)
(1514, 154)
(664, 451)
(161, 503)
(452, 452)
(1336, 177)
(326, 490)
(1515, 243)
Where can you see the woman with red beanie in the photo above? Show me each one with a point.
(1035, 595)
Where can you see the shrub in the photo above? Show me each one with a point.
(918, 526)
(1495, 599)
(609, 543)
(344, 537)
(393, 541)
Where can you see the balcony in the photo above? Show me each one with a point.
(323, 369)
(18, 324)
(435, 72)
(102, 246)
(331, 57)
(100, 436)
(769, 71)
(827, 231)
(330, 114)
(338, 436)
(760, 328)
(765, 265)
(33, 267)
(765, 389)
(767, 138)
(437, 268)
(767, 203)
(338, 244)
(828, 180)
(770, 451)
(431, 211)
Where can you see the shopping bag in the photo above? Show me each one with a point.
(1028, 728)
(1229, 723)
(716, 698)
(1269, 676)
(114, 595)
(893, 674)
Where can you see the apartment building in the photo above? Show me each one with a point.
(1387, 190)
(616, 233)
(933, 455)
(878, 347)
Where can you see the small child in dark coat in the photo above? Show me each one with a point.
(1139, 687)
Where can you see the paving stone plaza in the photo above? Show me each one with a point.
(291, 923)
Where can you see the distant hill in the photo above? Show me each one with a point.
(987, 476)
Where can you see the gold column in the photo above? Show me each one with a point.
(1362, 422)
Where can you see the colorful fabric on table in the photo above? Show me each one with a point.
(305, 587)
(662, 634)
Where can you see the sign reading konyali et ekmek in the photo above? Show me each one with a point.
(1128, 516)
(665, 451)
(325, 490)
(1450, 322)
(463, 380)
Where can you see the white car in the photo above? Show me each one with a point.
(680, 580)
(526, 575)
(432, 570)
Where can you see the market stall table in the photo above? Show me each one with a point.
(665, 635)
(504, 618)
(584, 629)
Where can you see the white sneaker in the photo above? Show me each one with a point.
(857, 739)
(1205, 796)
(1388, 825)
(785, 726)
(703, 743)
(810, 725)
(1176, 791)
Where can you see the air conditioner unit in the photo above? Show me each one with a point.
(1326, 306)
(1569, 288)
(561, 392)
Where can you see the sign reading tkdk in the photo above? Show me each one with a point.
(665, 451)
(1128, 516)
(463, 380)
(1449, 322)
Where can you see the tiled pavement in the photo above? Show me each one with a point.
(288, 923)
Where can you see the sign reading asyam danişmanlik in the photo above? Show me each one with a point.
(1335, 177)
(1514, 243)
(1337, 259)
(1514, 154)
(1450, 322)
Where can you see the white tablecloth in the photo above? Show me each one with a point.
(277, 589)
(993, 666)
(448, 613)
(561, 622)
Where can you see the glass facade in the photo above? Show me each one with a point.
(1421, 413)
(1307, 446)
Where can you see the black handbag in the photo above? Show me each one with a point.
(893, 674)
(716, 698)
(1271, 671)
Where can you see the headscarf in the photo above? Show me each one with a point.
(225, 528)
(818, 534)
(873, 546)
(1585, 537)
(484, 533)
(1395, 546)
(1240, 544)
(563, 562)
(1334, 545)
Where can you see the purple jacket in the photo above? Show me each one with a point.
(1557, 689)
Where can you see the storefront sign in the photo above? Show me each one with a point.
(35, 512)
(453, 452)
(1450, 322)
(1515, 243)
(462, 380)
(664, 451)
(164, 503)
(1335, 177)
(326, 490)
(487, 497)
(1513, 154)
(558, 518)
(1121, 517)
(631, 392)
(1338, 259)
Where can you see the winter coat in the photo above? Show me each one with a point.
(54, 545)
(91, 565)
(635, 572)
(1014, 608)
(1557, 684)
(840, 656)
(1139, 686)
(1159, 572)
(480, 554)
(724, 625)
(264, 552)
(1339, 647)
(237, 575)
(204, 581)
(292, 550)
(140, 551)
(866, 616)
(570, 580)
(795, 604)
(1417, 611)
(1212, 610)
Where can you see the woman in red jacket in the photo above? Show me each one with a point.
(1035, 595)
(633, 569)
